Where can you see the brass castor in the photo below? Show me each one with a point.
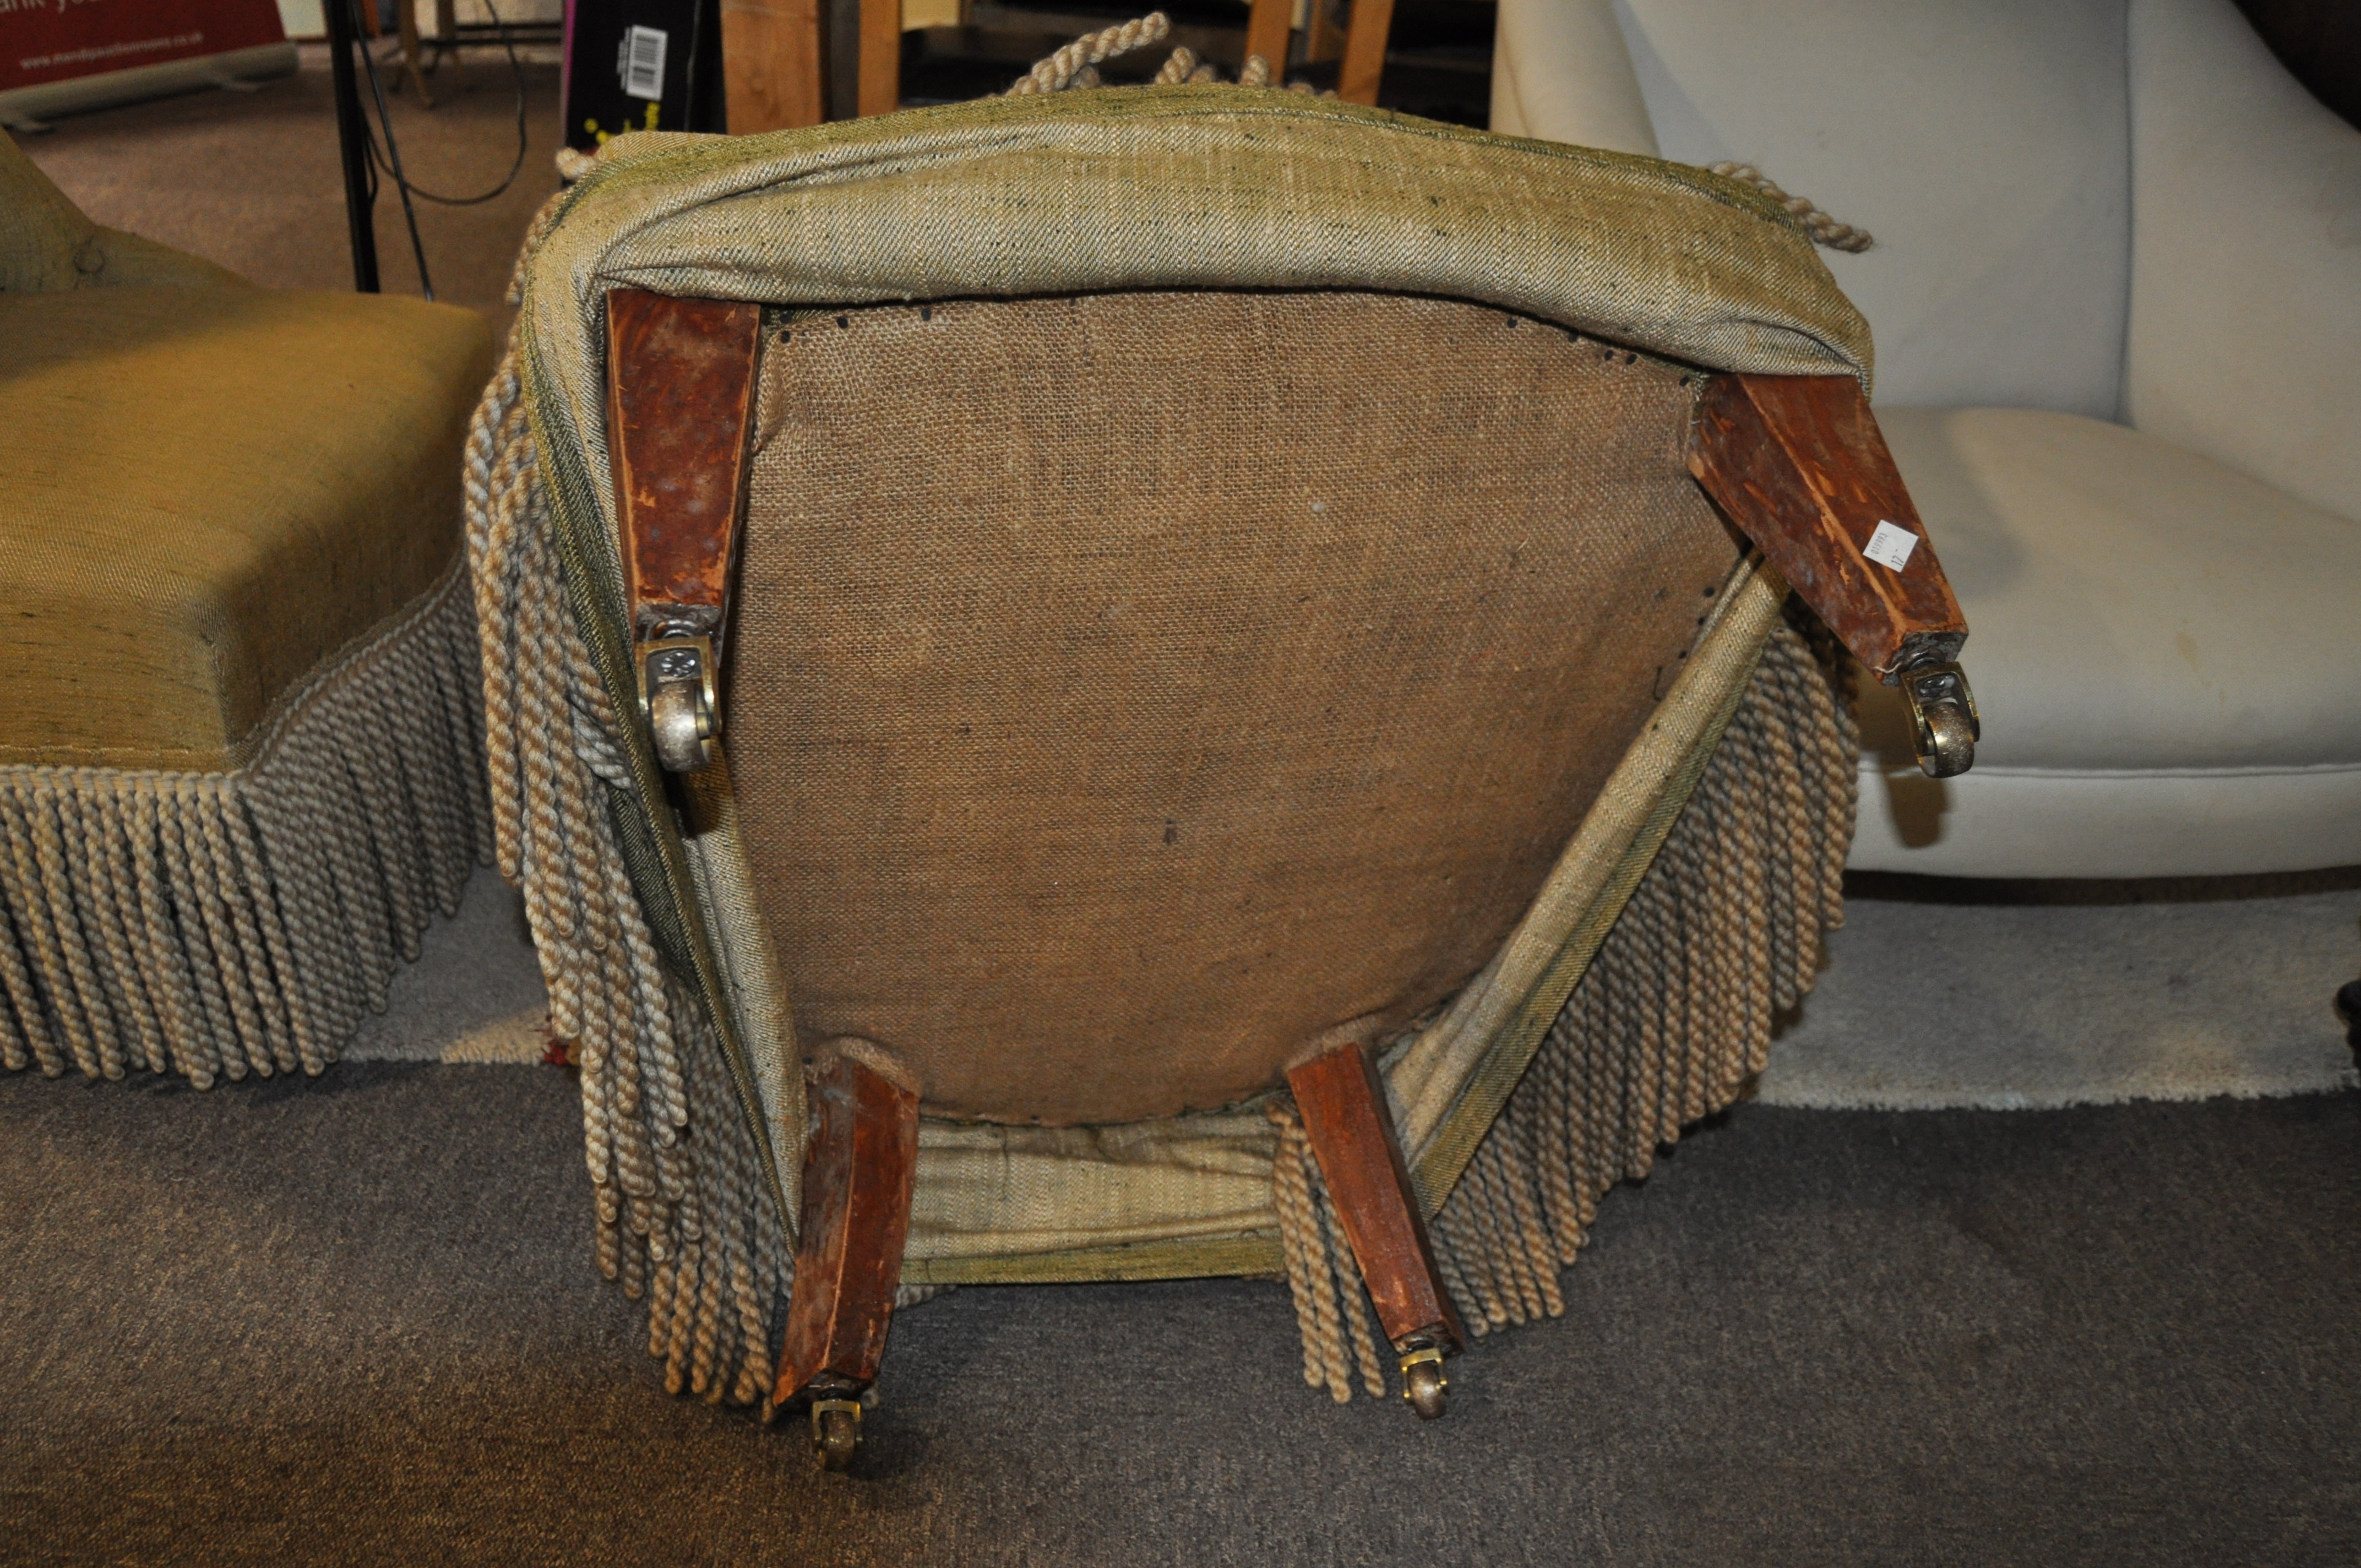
(1944, 724)
(1423, 1384)
(836, 1431)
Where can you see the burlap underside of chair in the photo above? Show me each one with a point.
(1635, 976)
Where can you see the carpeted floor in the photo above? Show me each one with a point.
(1930, 999)
(355, 1321)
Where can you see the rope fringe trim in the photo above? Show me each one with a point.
(1823, 229)
(1076, 65)
(213, 925)
(683, 1219)
(1671, 1018)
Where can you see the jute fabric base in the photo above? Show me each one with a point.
(217, 923)
(1119, 685)
(1671, 1019)
(1672, 1014)
(1165, 188)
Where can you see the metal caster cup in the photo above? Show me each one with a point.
(1423, 1384)
(836, 1431)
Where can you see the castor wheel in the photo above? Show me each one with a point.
(1423, 1384)
(836, 1431)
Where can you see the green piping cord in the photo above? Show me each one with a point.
(1255, 1254)
(1486, 1093)
(589, 576)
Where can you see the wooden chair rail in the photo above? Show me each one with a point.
(775, 56)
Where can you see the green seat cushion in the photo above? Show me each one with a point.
(204, 493)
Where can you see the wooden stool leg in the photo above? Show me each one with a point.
(856, 1217)
(1344, 1108)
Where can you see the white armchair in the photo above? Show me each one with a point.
(2116, 293)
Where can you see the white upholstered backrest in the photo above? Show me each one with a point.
(2246, 310)
(1984, 142)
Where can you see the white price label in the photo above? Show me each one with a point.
(1891, 546)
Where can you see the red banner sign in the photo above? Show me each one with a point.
(51, 41)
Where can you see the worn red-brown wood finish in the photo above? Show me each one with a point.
(1344, 1108)
(856, 1217)
(680, 405)
(1798, 463)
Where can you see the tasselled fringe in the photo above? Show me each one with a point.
(684, 1220)
(213, 925)
(1671, 1018)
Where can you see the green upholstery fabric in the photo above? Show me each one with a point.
(46, 243)
(207, 491)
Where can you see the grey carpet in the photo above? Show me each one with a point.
(2007, 997)
(353, 1321)
(1926, 1001)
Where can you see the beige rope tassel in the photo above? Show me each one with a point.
(1824, 229)
(680, 1220)
(1056, 73)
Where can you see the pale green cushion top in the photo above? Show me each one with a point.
(206, 492)
(47, 244)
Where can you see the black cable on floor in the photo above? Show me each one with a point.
(390, 158)
(516, 69)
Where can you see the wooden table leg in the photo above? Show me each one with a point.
(856, 1220)
(1343, 1107)
(773, 65)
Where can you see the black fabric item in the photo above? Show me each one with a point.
(355, 1321)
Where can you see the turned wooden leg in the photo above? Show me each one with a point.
(856, 1217)
(1344, 1108)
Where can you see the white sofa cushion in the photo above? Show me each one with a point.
(1986, 143)
(2163, 650)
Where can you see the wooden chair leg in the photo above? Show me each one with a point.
(880, 56)
(1267, 26)
(1364, 52)
(412, 49)
(773, 65)
(856, 1219)
(1798, 463)
(1344, 1108)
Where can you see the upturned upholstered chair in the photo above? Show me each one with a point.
(2116, 291)
(1164, 682)
(240, 762)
